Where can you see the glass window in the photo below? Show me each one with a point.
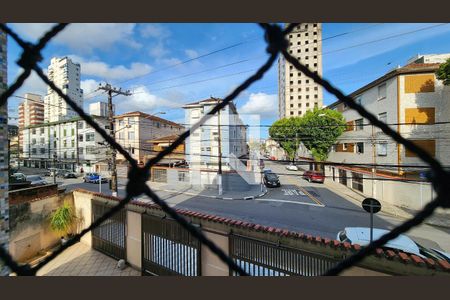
(360, 148)
(382, 91)
(359, 124)
(131, 135)
(382, 149)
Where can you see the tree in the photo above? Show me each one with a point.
(286, 133)
(443, 73)
(319, 129)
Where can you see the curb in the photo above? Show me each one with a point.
(214, 197)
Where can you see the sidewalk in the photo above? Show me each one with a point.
(254, 192)
(440, 217)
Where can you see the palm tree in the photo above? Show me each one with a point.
(63, 219)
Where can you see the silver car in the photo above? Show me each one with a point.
(36, 180)
(361, 236)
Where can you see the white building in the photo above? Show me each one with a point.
(66, 76)
(99, 109)
(297, 92)
(414, 103)
(202, 146)
(73, 143)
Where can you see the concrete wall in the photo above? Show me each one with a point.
(218, 232)
(134, 239)
(30, 227)
(83, 207)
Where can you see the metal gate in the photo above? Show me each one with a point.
(159, 175)
(109, 238)
(168, 249)
(260, 258)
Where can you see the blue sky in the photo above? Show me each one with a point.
(141, 57)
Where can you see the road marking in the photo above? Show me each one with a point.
(288, 201)
(292, 192)
(310, 196)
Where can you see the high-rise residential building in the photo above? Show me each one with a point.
(66, 76)
(31, 112)
(4, 164)
(99, 109)
(297, 93)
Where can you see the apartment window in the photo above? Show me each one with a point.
(73, 143)
(65, 132)
(299, 74)
(299, 105)
(291, 74)
(292, 97)
(299, 51)
(42, 141)
(291, 82)
(183, 176)
(360, 148)
(423, 115)
(359, 124)
(80, 150)
(80, 125)
(73, 155)
(306, 34)
(357, 181)
(291, 90)
(299, 97)
(307, 103)
(423, 83)
(382, 91)
(427, 145)
(292, 113)
(131, 135)
(292, 105)
(382, 117)
(291, 67)
(315, 32)
(299, 81)
(65, 144)
(316, 96)
(344, 147)
(42, 130)
(54, 133)
(382, 149)
(307, 80)
(90, 137)
(54, 144)
(33, 142)
(80, 137)
(33, 151)
(65, 154)
(121, 135)
(307, 96)
(42, 150)
(33, 131)
(307, 89)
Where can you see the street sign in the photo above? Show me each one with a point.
(371, 205)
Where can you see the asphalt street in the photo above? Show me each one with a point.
(298, 205)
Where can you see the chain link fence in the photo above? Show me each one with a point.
(277, 44)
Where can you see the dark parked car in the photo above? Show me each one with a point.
(70, 175)
(271, 180)
(314, 176)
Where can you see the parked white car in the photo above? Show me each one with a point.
(292, 167)
(36, 180)
(361, 236)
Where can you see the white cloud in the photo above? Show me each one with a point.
(190, 53)
(169, 61)
(84, 37)
(103, 70)
(158, 50)
(143, 100)
(33, 84)
(261, 104)
(154, 31)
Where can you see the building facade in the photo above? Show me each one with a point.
(134, 130)
(202, 146)
(297, 93)
(31, 112)
(4, 164)
(66, 76)
(99, 109)
(413, 102)
(69, 145)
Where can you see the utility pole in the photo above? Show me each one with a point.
(54, 167)
(219, 172)
(112, 90)
(374, 161)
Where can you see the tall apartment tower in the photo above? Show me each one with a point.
(297, 93)
(31, 112)
(66, 75)
(4, 164)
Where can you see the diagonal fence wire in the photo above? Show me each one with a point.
(276, 43)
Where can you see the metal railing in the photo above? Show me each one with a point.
(138, 176)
